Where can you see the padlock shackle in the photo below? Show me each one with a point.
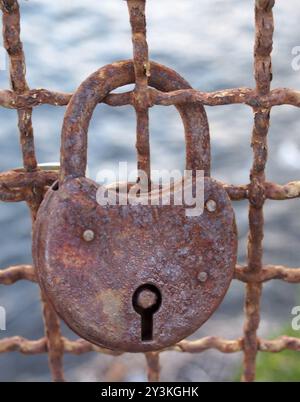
(94, 90)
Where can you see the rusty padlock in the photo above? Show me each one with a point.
(132, 278)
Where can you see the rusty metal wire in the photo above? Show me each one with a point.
(29, 184)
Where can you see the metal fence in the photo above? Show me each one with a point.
(30, 184)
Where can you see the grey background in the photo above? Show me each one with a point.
(209, 42)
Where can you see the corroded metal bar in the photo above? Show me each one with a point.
(279, 345)
(12, 275)
(81, 346)
(36, 97)
(264, 26)
(14, 48)
(52, 330)
(18, 179)
(78, 347)
(247, 96)
(153, 366)
(55, 345)
(277, 97)
(267, 273)
(96, 87)
(210, 342)
(136, 10)
(27, 347)
(19, 344)
(288, 191)
(18, 185)
(16, 195)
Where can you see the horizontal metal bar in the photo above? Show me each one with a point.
(247, 96)
(268, 273)
(18, 178)
(11, 275)
(28, 347)
(36, 97)
(80, 346)
(210, 342)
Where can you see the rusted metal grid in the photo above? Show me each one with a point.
(30, 183)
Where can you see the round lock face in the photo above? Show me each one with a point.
(133, 278)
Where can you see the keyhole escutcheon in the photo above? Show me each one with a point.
(146, 302)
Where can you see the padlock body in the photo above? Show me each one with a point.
(91, 284)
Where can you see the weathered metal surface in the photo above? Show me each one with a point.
(91, 284)
(99, 85)
(263, 77)
(14, 48)
(19, 185)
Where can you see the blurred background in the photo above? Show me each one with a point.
(210, 43)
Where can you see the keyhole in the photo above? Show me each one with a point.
(146, 302)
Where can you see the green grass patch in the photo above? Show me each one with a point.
(278, 367)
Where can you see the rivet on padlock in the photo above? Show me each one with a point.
(211, 205)
(88, 235)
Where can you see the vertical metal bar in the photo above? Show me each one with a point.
(55, 344)
(153, 372)
(141, 103)
(14, 48)
(142, 73)
(263, 75)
